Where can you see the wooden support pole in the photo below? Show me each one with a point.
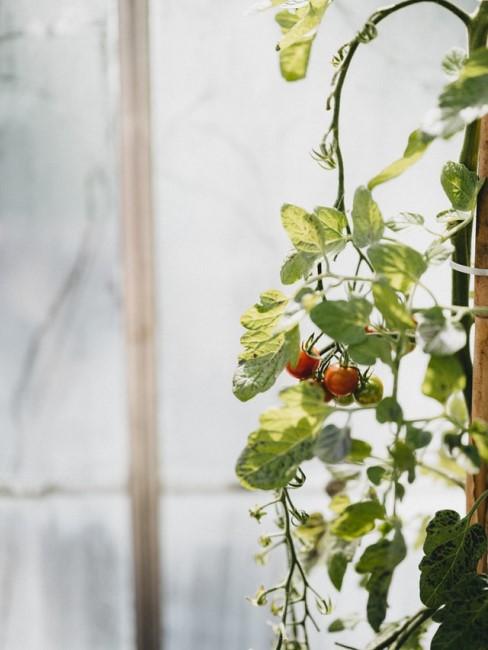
(139, 290)
(479, 483)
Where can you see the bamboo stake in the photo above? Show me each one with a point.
(139, 289)
(479, 482)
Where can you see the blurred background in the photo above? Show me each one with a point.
(231, 142)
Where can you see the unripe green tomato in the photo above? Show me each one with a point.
(370, 392)
(344, 400)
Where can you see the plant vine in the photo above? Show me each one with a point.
(375, 324)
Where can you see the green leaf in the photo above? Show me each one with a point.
(375, 474)
(389, 410)
(417, 438)
(457, 409)
(452, 549)
(332, 228)
(257, 375)
(268, 463)
(306, 27)
(438, 252)
(337, 625)
(343, 320)
(368, 224)
(393, 310)
(405, 220)
(302, 229)
(319, 233)
(418, 142)
(368, 351)
(296, 266)
(266, 313)
(460, 185)
(357, 520)
(443, 377)
(338, 554)
(284, 440)
(463, 100)
(464, 619)
(360, 449)
(265, 351)
(303, 400)
(439, 336)
(399, 264)
(333, 444)
(380, 560)
(294, 59)
(404, 459)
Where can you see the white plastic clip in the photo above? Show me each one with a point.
(469, 270)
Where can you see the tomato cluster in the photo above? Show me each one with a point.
(341, 382)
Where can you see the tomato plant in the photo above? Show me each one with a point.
(385, 311)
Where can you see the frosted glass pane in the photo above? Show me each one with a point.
(65, 571)
(232, 143)
(62, 381)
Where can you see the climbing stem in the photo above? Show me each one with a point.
(477, 36)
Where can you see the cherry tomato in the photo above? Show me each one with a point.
(306, 365)
(327, 394)
(370, 392)
(341, 380)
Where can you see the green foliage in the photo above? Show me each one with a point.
(305, 27)
(464, 619)
(380, 560)
(393, 310)
(452, 549)
(376, 474)
(319, 233)
(296, 266)
(417, 145)
(443, 377)
(389, 410)
(338, 554)
(357, 520)
(438, 335)
(460, 185)
(368, 224)
(463, 100)
(333, 444)
(284, 440)
(360, 450)
(367, 352)
(401, 265)
(372, 312)
(343, 320)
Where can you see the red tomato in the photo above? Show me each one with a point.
(306, 365)
(327, 395)
(341, 380)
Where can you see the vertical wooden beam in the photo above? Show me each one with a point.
(479, 482)
(138, 256)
